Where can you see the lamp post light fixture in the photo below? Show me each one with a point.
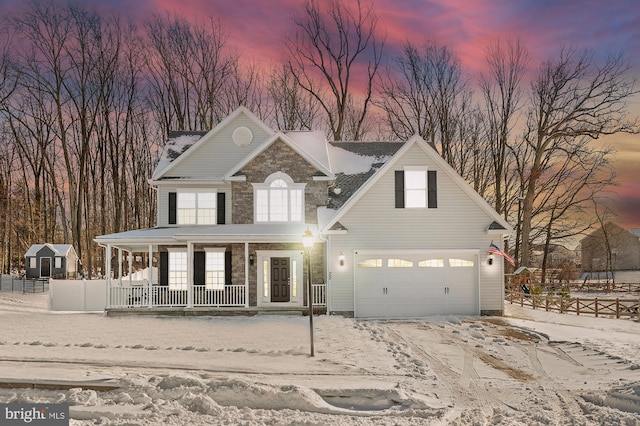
(307, 242)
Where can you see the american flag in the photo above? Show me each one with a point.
(493, 249)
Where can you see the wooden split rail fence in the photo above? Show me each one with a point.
(600, 307)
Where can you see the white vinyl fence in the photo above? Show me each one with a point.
(77, 295)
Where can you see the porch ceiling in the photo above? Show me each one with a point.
(140, 239)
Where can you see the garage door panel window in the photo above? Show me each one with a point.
(431, 263)
(370, 263)
(399, 263)
(460, 263)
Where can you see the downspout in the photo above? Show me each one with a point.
(246, 274)
(150, 276)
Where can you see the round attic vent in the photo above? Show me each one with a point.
(242, 136)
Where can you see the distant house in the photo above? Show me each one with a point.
(51, 261)
(611, 248)
(398, 233)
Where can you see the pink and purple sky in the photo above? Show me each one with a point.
(257, 28)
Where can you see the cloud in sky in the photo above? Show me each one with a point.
(257, 29)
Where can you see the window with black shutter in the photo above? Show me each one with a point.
(221, 208)
(399, 189)
(432, 189)
(172, 208)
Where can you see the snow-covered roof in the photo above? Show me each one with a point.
(58, 249)
(353, 163)
(177, 143)
(314, 143)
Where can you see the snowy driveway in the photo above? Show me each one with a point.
(198, 371)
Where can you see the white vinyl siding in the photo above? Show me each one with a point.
(215, 157)
(458, 223)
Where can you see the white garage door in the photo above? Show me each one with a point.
(401, 285)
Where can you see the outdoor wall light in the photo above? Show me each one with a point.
(251, 259)
(490, 259)
(341, 259)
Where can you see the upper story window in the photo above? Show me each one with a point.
(416, 187)
(196, 208)
(279, 199)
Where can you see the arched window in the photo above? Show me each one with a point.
(279, 199)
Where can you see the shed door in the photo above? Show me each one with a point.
(45, 267)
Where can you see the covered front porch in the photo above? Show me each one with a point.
(225, 271)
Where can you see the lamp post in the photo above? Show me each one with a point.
(307, 242)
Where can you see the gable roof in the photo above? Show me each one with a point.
(187, 143)
(288, 141)
(58, 249)
(353, 164)
(442, 164)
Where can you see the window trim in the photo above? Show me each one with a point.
(424, 189)
(290, 188)
(196, 192)
(181, 286)
(219, 285)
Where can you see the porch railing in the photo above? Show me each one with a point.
(136, 294)
(162, 296)
(231, 295)
(319, 294)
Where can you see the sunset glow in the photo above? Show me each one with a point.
(258, 28)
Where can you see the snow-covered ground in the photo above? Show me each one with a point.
(527, 368)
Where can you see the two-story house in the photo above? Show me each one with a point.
(398, 233)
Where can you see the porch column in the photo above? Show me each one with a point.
(130, 262)
(246, 274)
(120, 266)
(189, 274)
(107, 268)
(150, 276)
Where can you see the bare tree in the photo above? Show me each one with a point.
(572, 97)
(190, 70)
(574, 176)
(500, 87)
(337, 48)
(426, 94)
(291, 107)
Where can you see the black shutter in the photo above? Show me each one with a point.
(164, 268)
(172, 208)
(221, 208)
(432, 189)
(399, 189)
(227, 268)
(198, 267)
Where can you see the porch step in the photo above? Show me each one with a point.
(279, 312)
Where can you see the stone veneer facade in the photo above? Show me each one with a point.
(278, 157)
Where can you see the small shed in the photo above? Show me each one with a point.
(522, 275)
(51, 261)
